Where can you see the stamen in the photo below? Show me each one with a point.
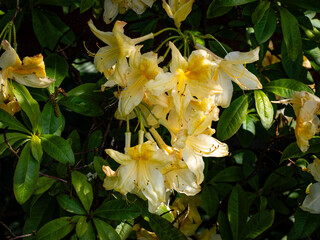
(91, 54)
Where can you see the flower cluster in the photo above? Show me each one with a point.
(29, 72)
(184, 98)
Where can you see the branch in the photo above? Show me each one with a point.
(7, 142)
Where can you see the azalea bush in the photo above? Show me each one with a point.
(149, 119)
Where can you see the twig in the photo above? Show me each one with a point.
(6, 227)
(84, 152)
(22, 236)
(53, 177)
(18, 9)
(105, 136)
(7, 142)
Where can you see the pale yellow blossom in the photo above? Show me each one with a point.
(178, 10)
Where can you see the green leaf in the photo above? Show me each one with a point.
(57, 148)
(36, 148)
(70, 204)
(229, 3)
(291, 68)
(94, 142)
(210, 200)
(259, 11)
(27, 103)
(224, 226)
(215, 10)
(247, 131)
(117, 210)
(259, 223)
(293, 151)
(98, 162)
(12, 139)
(280, 180)
(43, 184)
(90, 233)
(84, 100)
(265, 28)
(291, 33)
(305, 4)
(53, 2)
(26, 175)
(286, 87)
(232, 118)
(6, 120)
(264, 108)
(164, 229)
(83, 189)
(56, 68)
(82, 226)
(125, 228)
(229, 174)
(75, 141)
(105, 231)
(237, 211)
(49, 122)
(49, 29)
(85, 5)
(304, 225)
(56, 229)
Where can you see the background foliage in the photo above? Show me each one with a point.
(53, 189)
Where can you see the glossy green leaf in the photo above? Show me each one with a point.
(117, 210)
(43, 184)
(49, 122)
(105, 231)
(85, 5)
(224, 226)
(56, 68)
(229, 3)
(164, 229)
(57, 148)
(247, 131)
(12, 139)
(26, 175)
(229, 174)
(36, 148)
(82, 226)
(90, 233)
(70, 204)
(232, 118)
(286, 87)
(56, 229)
(210, 200)
(292, 68)
(259, 223)
(293, 151)
(27, 103)
(237, 211)
(75, 141)
(266, 26)
(83, 189)
(93, 143)
(125, 228)
(291, 33)
(6, 120)
(215, 10)
(264, 108)
(84, 100)
(259, 11)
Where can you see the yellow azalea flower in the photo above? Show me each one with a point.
(119, 48)
(143, 68)
(312, 201)
(231, 68)
(306, 107)
(29, 72)
(138, 172)
(314, 169)
(178, 10)
(113, 7)
(187, 80)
